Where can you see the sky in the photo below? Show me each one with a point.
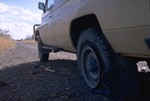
(19, 16)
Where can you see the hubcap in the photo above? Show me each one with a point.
(92, 66)
(90, 70)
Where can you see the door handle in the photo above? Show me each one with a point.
(50, 16)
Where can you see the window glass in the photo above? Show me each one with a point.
(50, 4)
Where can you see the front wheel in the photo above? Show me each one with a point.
(43, 55)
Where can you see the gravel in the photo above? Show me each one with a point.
(24, 78)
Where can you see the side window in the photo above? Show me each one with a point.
(50, 4)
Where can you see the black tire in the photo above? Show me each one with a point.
(94, 60)
(43, 55)
(113, 73)
(125, 79)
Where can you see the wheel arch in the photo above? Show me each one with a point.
(80, 24)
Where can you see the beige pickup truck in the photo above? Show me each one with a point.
(109, 38)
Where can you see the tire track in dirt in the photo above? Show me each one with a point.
(32, 47)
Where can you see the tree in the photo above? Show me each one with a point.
(30, 37)
(5, 33)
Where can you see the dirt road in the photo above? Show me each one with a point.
(24, 78)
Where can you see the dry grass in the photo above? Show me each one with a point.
(5, 43)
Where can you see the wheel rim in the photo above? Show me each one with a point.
(90, 64)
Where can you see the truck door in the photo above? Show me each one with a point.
(46, 33)
(63, 14)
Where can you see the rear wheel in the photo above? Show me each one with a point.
(43, 55)
(90, 66)
(94, 60)
(101, 68)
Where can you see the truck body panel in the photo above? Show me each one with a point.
(125, 23)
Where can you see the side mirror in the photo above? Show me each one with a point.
(41, 6)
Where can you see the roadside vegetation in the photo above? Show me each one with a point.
(5, 41)
(29, 39)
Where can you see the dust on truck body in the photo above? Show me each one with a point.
(109, 37)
